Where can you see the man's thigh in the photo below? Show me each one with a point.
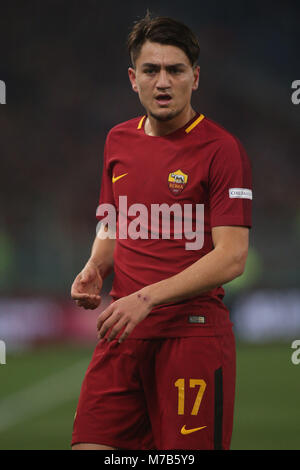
(191, 399)
(112, 410)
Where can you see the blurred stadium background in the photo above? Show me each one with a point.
(65, 68)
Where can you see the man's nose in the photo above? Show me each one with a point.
(163, 80)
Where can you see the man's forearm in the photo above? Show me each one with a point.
(102, 255)
(213, 270)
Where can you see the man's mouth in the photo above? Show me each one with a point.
(163, 99)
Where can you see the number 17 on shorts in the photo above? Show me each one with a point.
(196, 399)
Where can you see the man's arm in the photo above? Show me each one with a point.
(88, 284)
(224, 263)
(102, 254)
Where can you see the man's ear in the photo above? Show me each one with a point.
(132, 78)
(196, 77)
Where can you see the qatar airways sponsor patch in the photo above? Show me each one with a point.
(241, 193)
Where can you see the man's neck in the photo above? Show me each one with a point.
(154, 127)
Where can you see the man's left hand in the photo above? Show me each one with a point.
(126, 312)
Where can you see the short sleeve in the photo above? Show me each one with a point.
(230, 185)
(106, 192)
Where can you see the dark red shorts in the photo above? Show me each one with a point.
(174, 393)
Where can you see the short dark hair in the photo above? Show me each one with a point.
(162, 30)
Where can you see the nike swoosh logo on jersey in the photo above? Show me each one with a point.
(116, 178)
(189, 431)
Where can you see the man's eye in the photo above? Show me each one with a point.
(150, 71)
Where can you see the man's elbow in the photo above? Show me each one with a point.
(239, 262)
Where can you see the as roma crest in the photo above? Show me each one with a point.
(177, 181)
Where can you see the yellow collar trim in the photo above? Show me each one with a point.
(195, 123)
(141, 122)
(187, 130)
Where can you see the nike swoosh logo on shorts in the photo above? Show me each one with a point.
(189, 431)
(116, 178)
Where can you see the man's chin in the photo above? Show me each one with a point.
(164, 115)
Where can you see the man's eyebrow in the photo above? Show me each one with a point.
(149, 64)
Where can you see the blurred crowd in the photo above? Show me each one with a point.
(65, 68)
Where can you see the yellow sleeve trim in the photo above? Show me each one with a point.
(141, 122)
(195, 123)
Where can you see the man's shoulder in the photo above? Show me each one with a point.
(125, 126)
(225, 145)
(218, 133)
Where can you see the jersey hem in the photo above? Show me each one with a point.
(227, 221)
(193, 332)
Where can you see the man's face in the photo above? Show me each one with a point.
(164, 79)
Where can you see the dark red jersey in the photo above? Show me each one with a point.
(198, 165)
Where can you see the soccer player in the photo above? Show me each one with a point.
(162, 375)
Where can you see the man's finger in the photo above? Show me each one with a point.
(116, 329)
(92, 302)
(111, 321)
(94, 297)
(79, 296)
(104, 315)
(126, 332)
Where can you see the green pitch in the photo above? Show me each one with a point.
(39, 391)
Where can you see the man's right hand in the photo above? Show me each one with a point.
(87, 286)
